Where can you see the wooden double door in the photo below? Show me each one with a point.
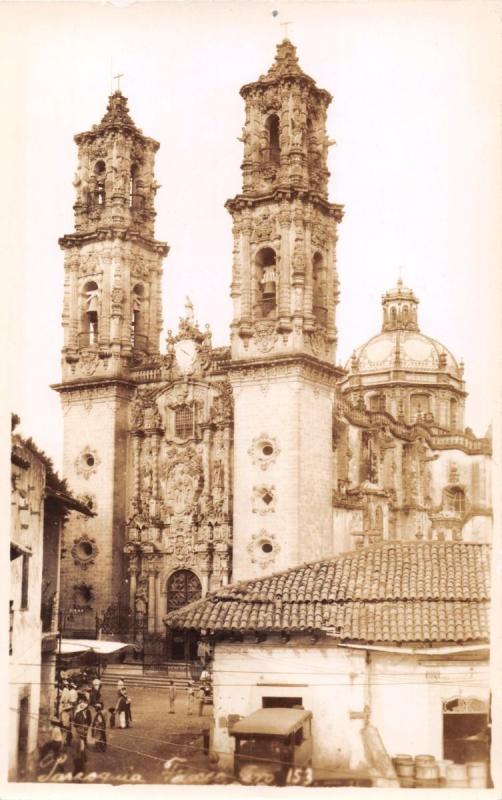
(183, 588)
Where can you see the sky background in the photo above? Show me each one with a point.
(416, 118)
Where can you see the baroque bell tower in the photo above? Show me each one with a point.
(112, 319)
(283, 332)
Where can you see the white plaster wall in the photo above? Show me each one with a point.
(407, 697)
(297, 415)
(329, 679)
(96, 425)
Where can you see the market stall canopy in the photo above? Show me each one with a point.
(98, 646)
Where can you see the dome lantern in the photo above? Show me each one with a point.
(400, 307)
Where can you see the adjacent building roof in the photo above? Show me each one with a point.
(395, 592)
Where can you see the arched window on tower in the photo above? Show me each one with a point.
(138, 338)
(453, 414)
(274, 147)
(319, 290)
(406, 315)
(90, 311)
(393, 316)
(266, 275)
(132, 184)
(99, 171)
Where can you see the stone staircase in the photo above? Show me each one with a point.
(133, 675)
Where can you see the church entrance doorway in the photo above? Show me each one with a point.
(183, 587)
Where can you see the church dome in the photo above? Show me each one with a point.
(402, 349)
(401, 345)
(404, 372)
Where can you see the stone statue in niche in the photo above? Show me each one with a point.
(141, 599)
(218, 475)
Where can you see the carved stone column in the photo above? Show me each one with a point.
(206, 445)
(247, 273)
(284, 308)
(74, 309)
(152, 599)
(136, 454)
(226, 469)
(104, 325)
(133, 582)
(308, 292)
(155, 446)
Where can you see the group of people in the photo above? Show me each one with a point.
(196, 694)
(81, 719)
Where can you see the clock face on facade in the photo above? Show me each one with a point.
(185, 350)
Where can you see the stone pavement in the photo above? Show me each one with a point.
(155, 737)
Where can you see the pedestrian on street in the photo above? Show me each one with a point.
(98, 729)
(200, 700)
(66, 712)
(190, 697)
(95, 695)
(82, 717)
(123, 709)
(172, 696)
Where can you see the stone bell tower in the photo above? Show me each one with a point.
(112, 321)
(283, 332)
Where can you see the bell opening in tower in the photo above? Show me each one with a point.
(273, 153)
(267, 283)
(89, 328)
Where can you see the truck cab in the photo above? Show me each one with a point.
(273, 746)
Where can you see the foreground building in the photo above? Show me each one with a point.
(365, 641)
(206, 465)
(40, 503)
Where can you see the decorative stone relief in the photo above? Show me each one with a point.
(86, 464)
(264, 451)
(263, 499)
(180, 476)
(265, 336)
(263, 548)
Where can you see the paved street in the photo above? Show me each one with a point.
(155, 736)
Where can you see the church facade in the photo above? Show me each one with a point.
(206, 465)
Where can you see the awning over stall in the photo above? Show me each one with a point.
(98, 646)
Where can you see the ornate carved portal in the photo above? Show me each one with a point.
(183, 587)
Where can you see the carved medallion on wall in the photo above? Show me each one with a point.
(84, 551)
(264, 450)
(263, 548)
(263, 499)
(86, 464)
(265, 336)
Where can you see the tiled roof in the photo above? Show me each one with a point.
(395, 592)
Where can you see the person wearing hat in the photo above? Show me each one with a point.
(66, 711)
(98, 729)
(82, 717)
(123, 709)
(95, 694)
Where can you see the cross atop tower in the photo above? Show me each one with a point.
(117, 78)
(285, 26)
